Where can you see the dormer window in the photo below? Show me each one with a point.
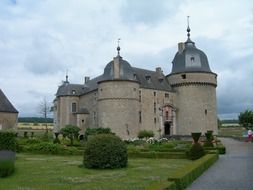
(73, 92)
(135, 77)
(192, 59)
(148, 78)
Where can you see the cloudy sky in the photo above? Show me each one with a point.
(40, 40)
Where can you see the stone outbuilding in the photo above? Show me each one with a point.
(8, 113)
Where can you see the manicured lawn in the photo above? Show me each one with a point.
(48, 172)
(232, 131)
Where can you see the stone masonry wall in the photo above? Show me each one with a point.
(8, 120)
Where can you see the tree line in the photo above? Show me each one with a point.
(35, 120)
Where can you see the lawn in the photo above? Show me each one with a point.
(40, 172)
(232, 131)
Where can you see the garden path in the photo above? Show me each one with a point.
(233, 171)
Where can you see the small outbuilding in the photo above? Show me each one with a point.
(8, 113)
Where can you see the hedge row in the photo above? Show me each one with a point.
(7, 141)
(157, 155)
(162, 185)
(181, 178)
(186, 176)
(220, 148)
(6, 167)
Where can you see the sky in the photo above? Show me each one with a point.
(41, 40)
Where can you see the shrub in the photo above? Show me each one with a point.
(70, 131)
(50, 148)
(95, 131)
(45, 137)
(105, 151)
(145, 134)
(6, 167)
(25, 134)
(56, 140)
(7, 141)
(209, 138)
(196, 137)
(196, 151)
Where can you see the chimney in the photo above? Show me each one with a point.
(181, 47)
(158, 70)
(86, 79)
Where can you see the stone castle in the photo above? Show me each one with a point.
(129, 99)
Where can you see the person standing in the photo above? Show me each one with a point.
(250, 133)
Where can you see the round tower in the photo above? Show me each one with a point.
(118, 93)
(195, 87)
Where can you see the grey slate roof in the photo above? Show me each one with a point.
(157, 80)
(126, 71)
(190, 60)
(5, 104)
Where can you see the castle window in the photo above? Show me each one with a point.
(94, 116)
(139, 96)
(154, 93)
(73, 107)
(73, 92)
(205, 111)
(183, 76)
(154, 107)
(166, 95)
(166, 115)
(148, 78)
(140, 117)
(82, 120)
(155, 120)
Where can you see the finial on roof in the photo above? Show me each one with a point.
(188, 27)
(118, 48)
(67, 77)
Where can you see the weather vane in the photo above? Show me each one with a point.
(188, 27)
(118, 48)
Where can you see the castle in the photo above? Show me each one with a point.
(129, 99)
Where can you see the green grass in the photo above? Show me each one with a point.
(39, 172)
(232, 131)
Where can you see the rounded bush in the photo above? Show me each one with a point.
(105, 151)
(196, 151)
(7, 140)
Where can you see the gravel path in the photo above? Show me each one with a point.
(233, 171)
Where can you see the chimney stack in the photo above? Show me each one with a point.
(181, 47)
(86, 79)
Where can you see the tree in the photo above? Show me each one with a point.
(44, 110)
(70, 131)
(246, 119)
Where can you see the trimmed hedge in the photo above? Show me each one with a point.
(185, 176)
(157, 155)
(7, 140)
(6, 167)
(196, 151)
(50, 148)
(105, 151)
(162, 185)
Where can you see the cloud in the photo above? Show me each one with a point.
(40, 40)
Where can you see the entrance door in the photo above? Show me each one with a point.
(167, 128)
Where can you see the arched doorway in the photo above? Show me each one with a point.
(167, 128)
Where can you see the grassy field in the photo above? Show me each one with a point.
(35, 126)
(40, 172)
(232, 131)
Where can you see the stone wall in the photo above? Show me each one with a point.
(151, 101)
(195, 102)
(118, 107)
(8, 120)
